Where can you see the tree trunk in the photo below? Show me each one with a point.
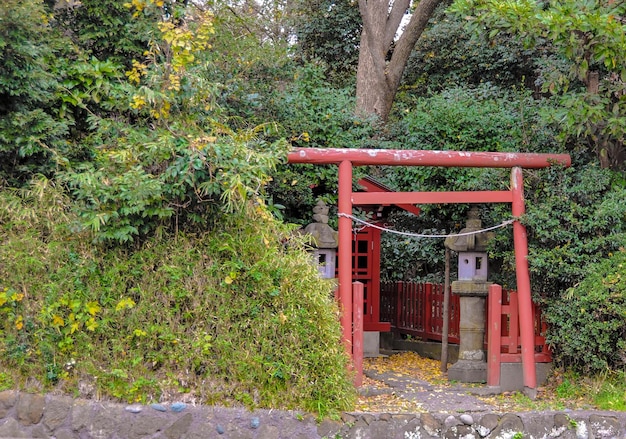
(378, 79)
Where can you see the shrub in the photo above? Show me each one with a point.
(237, 315)
(588, 323)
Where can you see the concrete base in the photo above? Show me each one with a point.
(512, 375)
(371, 344)
(467, 371)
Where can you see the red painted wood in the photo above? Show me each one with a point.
(426, 308)
(494, 335)
(389, 198)
(373, 295)
(402, 300)
(371, 186)
(345, 253)
(357, 334)
(391, 157)
(520, 242)
(411, 309)
(377, 326)
(514, 337)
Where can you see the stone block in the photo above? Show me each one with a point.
(466, 371)
(8, 398)
(30, 408)
(371, 343)
(57, 411)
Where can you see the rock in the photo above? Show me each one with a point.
(487, 424)
(11, 428)
(329, 428)
(508, 424)
(7, 401)
(451, 421)
(604, 427)
(30, 408)
(179, 428)
(178, 407)
(466, 419)
(255, 422)
(158, 407)
(431, 425)
(57, 410)
(133, 408)
(368, 418)
(219, 429)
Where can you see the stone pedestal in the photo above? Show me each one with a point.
(471, 367)
(371, 344)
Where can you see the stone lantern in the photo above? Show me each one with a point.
(325, 240)
(472, 287)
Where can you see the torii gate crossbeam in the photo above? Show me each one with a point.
(347, 158)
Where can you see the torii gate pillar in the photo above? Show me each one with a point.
(520, 242)
(344, 205)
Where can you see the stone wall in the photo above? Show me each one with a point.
(24, 415)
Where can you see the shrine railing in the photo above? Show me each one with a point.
(416, 309)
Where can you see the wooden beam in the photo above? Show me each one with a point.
(395, 157)
(388, 198)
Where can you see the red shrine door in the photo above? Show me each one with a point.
(366, 269)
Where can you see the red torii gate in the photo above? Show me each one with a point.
(347, 158)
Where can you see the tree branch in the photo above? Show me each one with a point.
(406, 43)
(376, 50)
(398, 9)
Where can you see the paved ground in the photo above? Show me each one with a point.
(425, 396)
(405, 382)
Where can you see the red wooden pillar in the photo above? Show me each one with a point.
(357, 335)
(344, 204)
(520, 240)
(399, 302)
(494, 335)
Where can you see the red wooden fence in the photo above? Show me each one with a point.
(416, 309)
(510, 341)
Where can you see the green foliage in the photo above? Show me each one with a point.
(591, 37)
(236, 315)
(448, 54)
(329, 31)
(315, 114)
(109, 30)
(28, 130)
(246, 62)
(481, 118)
(484, 118)
(575, 218)
(588, 323)
(611, 394)
(155, 175)
(179, 168)
(411, 258)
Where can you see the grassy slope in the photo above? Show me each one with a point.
(237, 315)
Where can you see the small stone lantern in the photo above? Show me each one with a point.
(325, 240)
(472, 287)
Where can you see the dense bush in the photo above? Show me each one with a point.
(483, 118)
(588, 321)
(449, 54)
(237, 315)
(575, 219)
